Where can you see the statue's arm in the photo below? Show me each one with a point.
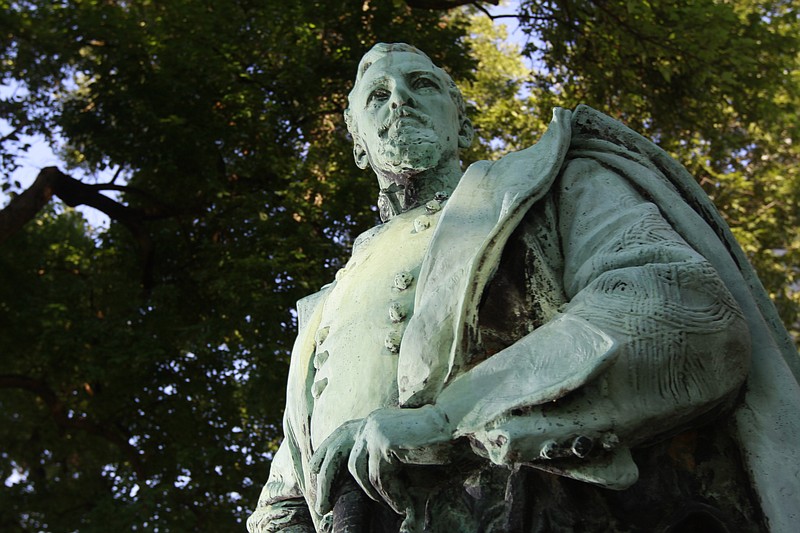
(649, 341)
(281, 506)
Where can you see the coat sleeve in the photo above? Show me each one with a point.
(281, 506)
(649, 342)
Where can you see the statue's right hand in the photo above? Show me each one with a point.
(329, 461)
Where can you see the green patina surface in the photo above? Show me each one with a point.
(539, 321)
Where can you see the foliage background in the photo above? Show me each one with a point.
(142, 365)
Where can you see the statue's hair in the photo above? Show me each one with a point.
(382, 49)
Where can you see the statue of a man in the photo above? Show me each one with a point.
(551, 342)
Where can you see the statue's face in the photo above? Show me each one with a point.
(404, 115)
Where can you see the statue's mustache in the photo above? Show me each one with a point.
(403, 112)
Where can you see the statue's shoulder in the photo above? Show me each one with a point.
(307, 305)
(366, 237)
(590, 126)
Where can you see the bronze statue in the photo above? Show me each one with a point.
(555, 341)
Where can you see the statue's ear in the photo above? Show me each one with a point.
(465, 134)
(360, 155)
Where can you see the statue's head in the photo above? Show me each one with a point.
(405, 114)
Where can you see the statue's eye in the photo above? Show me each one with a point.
(423, 82)
(378, 95)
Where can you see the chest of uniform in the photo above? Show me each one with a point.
(363, 320)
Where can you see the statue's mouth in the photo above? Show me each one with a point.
(404, 123)
(404, 118)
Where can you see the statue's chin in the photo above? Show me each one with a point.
(409, 154)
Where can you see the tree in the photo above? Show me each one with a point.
(503, 110)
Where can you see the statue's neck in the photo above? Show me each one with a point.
(399, 194)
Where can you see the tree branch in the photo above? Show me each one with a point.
(446, 4)
(62, 418)
(52, 182)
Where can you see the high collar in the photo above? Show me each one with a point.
(396, 199)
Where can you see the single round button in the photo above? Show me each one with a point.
(318, 387)
(321, 335)
(421, 223)
(433, 206)
(392, 341)
(397, 312)
(402, 280)
(320, 358)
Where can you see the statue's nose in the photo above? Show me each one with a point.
(400, 97)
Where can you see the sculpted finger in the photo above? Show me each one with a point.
(317, 459)
(326, 473)
(384, 477)
(327, 464)
(358, 464)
